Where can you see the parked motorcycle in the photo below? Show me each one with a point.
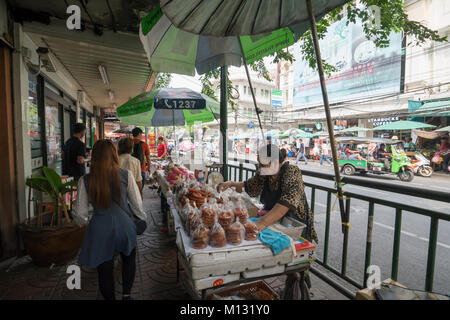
(421, 165)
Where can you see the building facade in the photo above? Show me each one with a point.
(52, 77)
(424, 78)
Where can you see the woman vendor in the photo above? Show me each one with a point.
(281, 190)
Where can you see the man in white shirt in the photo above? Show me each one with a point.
(128, 162)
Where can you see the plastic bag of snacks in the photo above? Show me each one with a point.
(236, 233)
(251, 231)
(209, 214)
(240, 212)
(180, 196)
(200, 237)
(187, 208)
(193, 221)
(225, 217)
(217, 236)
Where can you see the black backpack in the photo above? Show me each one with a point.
(138, 152)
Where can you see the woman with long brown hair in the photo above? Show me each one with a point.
(113, 194)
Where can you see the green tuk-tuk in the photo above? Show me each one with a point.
(399, 164)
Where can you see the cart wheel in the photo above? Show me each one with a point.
(349, 170)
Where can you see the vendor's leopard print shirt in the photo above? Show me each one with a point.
(292, 193)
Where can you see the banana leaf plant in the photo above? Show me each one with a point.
(50, 183)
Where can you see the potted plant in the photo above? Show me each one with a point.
(51, 237)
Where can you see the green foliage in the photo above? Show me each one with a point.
(163, 80)
(50, 184)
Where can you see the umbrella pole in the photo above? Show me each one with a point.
(224, 120)
(174, 133)
(312, 20)
(251, 87)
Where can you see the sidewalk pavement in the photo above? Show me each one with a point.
(155, 274)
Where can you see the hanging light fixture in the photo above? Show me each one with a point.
(104, 75)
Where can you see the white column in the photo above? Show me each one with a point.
(22, 138)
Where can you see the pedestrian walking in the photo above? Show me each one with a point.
(74, 153)
(324, 154)
(114, 194)
(301, 152)
(141, 151)
(128, 162)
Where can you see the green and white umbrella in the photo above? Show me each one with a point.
(173, 50)
(168, 107)
(304, 134)
(244, 17)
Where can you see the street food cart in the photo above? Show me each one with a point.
(207, 268)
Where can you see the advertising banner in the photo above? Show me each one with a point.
(363, 70)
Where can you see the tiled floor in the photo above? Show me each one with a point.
(155, 274)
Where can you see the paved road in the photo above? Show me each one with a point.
(414, 235)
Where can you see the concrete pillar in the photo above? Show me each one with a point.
(364, 123)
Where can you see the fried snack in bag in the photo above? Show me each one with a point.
(200, 237)
(226, 217)
(240, 212)
(193, 221)
(217, 236)
(251, 231)
(236, 233)
(209, 214)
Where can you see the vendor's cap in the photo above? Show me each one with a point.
(268, 153)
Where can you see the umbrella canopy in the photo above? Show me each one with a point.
(404, 125)
(168, 107)
(244, 17)
(170, 49)
(320, 134)
(446, 129)
(355, 129)
(304, 135)
(282, 135)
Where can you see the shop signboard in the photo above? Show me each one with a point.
(363, 70)
(380, 121)
(277, 98)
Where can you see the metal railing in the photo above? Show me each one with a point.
(241, 173)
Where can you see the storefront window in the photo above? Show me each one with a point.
(34, 123)
(53, 134)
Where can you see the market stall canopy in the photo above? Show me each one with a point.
(354, 129)
(168, 107)
(364, 140)
(173, 50)
(244, 17)
(435, 109)
(403, 125)
(446, 129)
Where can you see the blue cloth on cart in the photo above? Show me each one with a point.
(276, 240)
